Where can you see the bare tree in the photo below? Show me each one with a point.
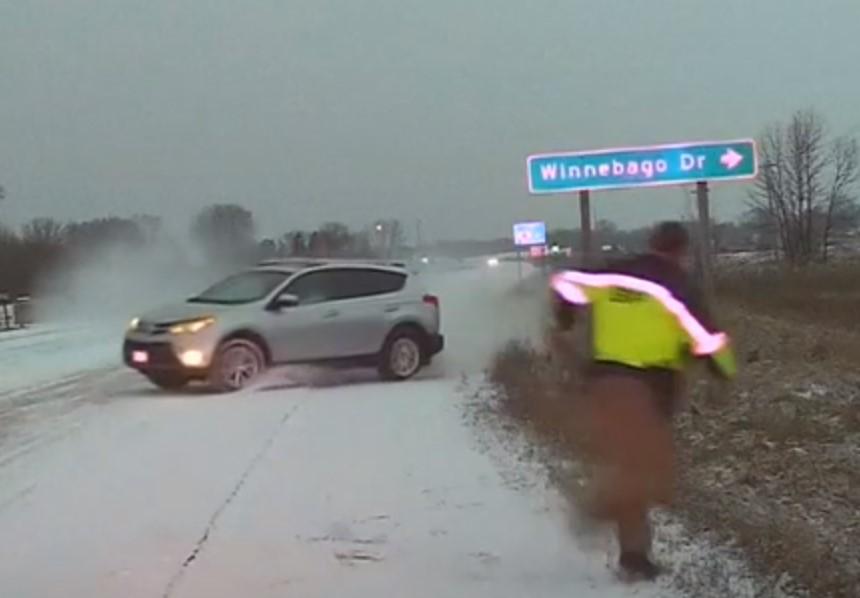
(315, 244)
(225, 232)
(91, 235)
(806, 187)
(43, 231)
(335, 238)
(842, 211)
(150, 226)
(388, 236)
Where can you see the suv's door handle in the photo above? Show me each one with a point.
(331, 314)
(391, 308)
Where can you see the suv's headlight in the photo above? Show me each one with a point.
(135, 322)
(191, 326)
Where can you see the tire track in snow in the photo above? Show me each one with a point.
(212, 524)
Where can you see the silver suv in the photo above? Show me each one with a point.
(289, 312)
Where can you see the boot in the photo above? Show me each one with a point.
(637, 565)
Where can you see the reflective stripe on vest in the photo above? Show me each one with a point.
(570, 286)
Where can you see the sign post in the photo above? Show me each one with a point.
(705, 248)
(527, 234)
(586, 246)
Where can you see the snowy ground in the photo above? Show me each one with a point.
(360, 489)
(43, 353)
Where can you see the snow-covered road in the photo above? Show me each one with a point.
(360, 489)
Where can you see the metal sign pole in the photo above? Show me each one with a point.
(585, 227)
(705, 248)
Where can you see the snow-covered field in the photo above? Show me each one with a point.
(360, 489)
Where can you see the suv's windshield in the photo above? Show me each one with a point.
(242, 288)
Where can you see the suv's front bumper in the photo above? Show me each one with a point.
(146, 356)
(160, 356)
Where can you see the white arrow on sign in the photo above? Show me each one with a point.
(731, 159)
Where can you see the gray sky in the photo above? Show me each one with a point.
(313, 110)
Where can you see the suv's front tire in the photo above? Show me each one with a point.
(237, 363)
(403, 354)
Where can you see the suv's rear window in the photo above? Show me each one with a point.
(365, 283)
(242, 288)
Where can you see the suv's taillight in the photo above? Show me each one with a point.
(432, 300)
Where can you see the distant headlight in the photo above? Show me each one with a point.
(493, 262)
(135, 322)
(191, 326)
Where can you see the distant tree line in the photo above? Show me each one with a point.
(44, 243)
(225, 234)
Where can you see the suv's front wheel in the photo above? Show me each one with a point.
(237, 363)
(402, 355)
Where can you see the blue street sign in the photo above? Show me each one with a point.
(652, 166)
(529, 233)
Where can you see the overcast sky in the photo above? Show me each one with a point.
(314, 110)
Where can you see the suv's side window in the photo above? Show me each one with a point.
(354, 283)
(311, 288)
(335, 285)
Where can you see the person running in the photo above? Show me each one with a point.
(648, 323)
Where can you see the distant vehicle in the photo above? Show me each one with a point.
(339, 313)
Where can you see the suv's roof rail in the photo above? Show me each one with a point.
(310, 262)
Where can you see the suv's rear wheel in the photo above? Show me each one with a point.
(402, 355)
(237, 363)
(168, 381)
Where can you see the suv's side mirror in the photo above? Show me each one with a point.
(285, 301)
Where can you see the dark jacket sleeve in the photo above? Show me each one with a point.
(564, 313)
(700, 307)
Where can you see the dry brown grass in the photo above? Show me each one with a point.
(825, 294)
(776, 464)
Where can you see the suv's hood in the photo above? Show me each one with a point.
(180, 312)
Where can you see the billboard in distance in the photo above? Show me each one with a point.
(529, 233)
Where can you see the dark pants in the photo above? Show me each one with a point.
(630, 447)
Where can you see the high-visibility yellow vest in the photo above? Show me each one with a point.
(638, 323)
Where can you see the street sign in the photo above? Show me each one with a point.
(651, 166)
(529, 233)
